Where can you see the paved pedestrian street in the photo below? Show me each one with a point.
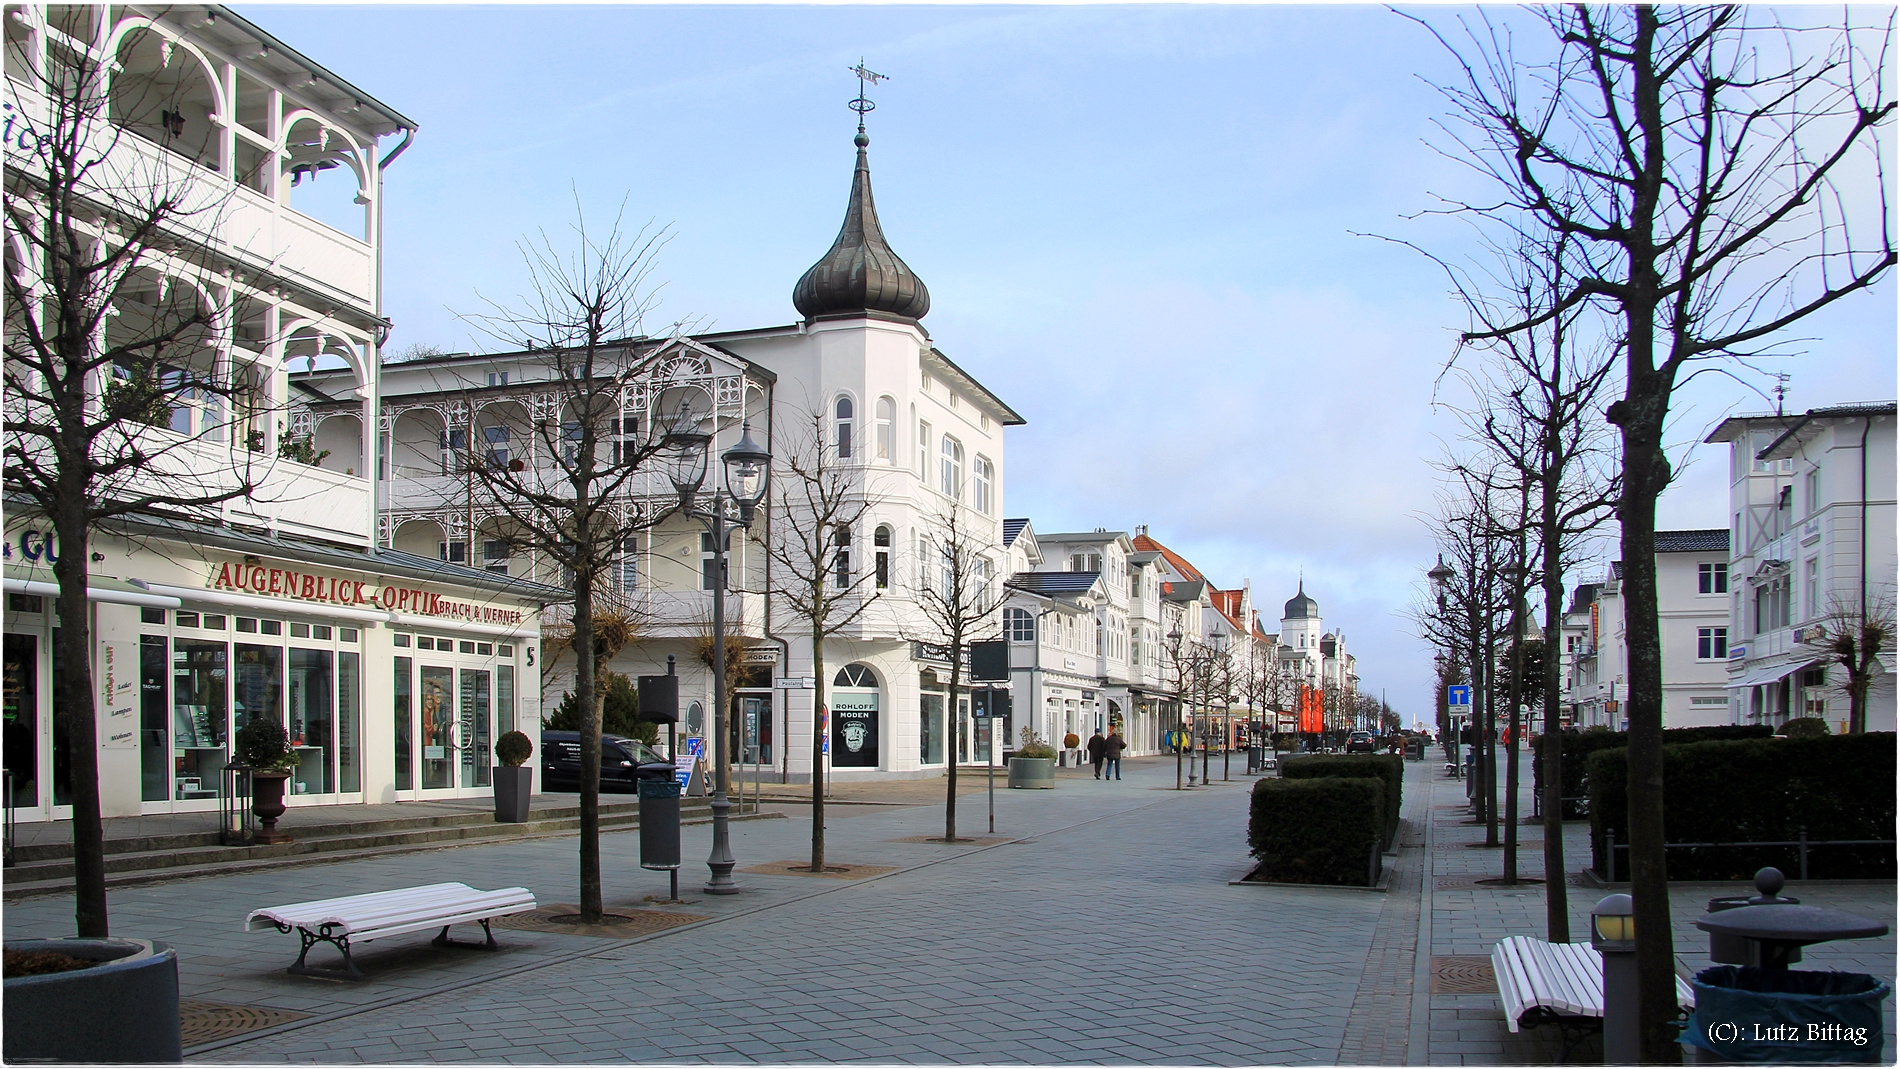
(1096, 926)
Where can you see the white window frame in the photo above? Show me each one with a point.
(982, 483)
(951, 471)
(886, 414)
(844, 422)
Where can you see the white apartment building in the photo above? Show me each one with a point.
(917, 436)
(1811, 500)
(279, 602)
(1692, 609)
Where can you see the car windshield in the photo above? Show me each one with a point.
(641, 752)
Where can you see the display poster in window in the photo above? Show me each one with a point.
(854, 729)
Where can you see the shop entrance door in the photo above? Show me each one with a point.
(475, 728)
(20, 705)
(436, 691)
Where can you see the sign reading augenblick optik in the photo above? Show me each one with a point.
(340, 590)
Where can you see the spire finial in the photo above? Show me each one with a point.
(866, 77)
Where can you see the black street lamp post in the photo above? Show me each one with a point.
(747, 471)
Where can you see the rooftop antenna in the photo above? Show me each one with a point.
(1781, 389)
(866, 78)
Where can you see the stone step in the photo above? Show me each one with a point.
(152, 843)
(55, 875)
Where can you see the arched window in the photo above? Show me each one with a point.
(1019, 625)
(844, 412)
(951, 482)
(886, 429)
(855, 675)
(983, 484)
(881, 540)
(854, 718)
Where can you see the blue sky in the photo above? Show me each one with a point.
(1138, 225)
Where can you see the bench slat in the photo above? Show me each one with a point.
(1565, 978)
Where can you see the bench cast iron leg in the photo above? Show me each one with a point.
(443, 939)
(309, 939)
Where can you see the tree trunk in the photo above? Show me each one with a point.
(1556, 890)
(589, 708)
(818, 727)
(956, 742)
(78, 708)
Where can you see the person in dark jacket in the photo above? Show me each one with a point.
(1098, 749)
(1112, 748)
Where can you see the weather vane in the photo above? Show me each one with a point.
(866, 77)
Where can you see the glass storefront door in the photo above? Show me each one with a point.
(752, 729)
(20, 707)
(475, 728)
(199, 678)
(438, 744)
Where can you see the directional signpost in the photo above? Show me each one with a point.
(1458, 699)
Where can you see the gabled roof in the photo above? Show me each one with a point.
(1012, 528)
(1183, 590)
(1175, 560)
(1712, 540)
(1227, 603)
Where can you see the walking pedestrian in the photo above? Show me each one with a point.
(1112, 748)
(1098, 749)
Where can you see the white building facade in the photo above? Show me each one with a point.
(1811, 501)
(276, 603)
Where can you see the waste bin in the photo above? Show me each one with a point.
(660, 824)
(1745, 1014)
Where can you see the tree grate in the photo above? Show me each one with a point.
(206, 1022)
(564, 919)
(803, 868)
(1462, 974)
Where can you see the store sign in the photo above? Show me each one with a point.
(854, 729)
(31, 546)
(118, 683)
(333, 589)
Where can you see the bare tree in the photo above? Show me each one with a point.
(820, 506)
(1721, 174)
(117, 400)
(957, 598)
(1856, 639)
(576, 505)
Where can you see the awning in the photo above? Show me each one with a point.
(98, 588)
(1771, 671)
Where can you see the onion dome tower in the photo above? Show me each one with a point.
(861, 274)
(1301, 607)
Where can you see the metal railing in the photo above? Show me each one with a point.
(1801, 844)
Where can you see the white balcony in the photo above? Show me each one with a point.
(285, 496)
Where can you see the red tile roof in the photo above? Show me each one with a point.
(1145, 544)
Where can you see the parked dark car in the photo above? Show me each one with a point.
(624, 762)
(1362, 742)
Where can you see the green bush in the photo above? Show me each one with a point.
(1325, 830)
(1805, 727)
(264, 745)
(513, 749)
(1758, 790)
(1388, 769)
(620, 715)
(1578, 746)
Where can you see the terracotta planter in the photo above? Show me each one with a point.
(123, 1011)
(1033, 773)
(514, 785)
(267, 801)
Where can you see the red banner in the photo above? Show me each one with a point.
(1311, 709)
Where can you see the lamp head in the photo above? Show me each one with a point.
(1613, 924)
(686, 446)
(1441, 574)
(748, 467)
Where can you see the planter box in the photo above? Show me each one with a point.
(1032, 772)
(513, 787)
(124, 1011)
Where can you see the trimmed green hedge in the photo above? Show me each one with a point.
(1326, 830)
(1388, 769)
(1578, 747)
(1759, 790)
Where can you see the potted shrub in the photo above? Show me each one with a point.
(1033, 765)
(263, 744)
(514, 777)
(91, 1000)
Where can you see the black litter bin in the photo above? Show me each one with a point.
(1744, 1014)
(660, 824)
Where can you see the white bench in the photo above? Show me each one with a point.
(361, 918)
(1561, 983)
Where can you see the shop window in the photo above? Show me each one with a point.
(504, 698)
(434, 693)
(504, 650)
(349, 722)
(155, 750)
(320, 631)
(146, 616)
(424, 642)
(402, 641)
(185, 619)
(476, 726)
(199, 701)
(247, 624)
(346, 634)
(271, 627)
(213, 622)
(404, 729)
(299, 630)
(485, 649)
(468, 647)
(311, 721)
